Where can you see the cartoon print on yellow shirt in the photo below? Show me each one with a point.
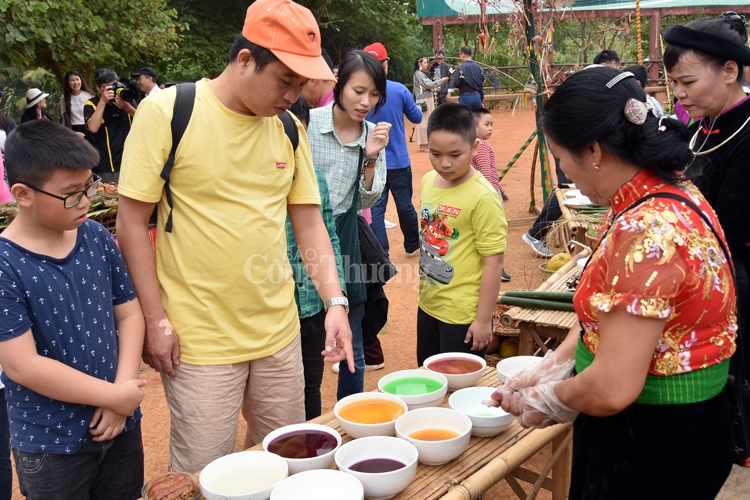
(436, 235)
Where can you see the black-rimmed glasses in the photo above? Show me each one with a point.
(72, 199)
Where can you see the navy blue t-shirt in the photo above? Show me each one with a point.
(69, 305)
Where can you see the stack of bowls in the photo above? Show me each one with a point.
(458, 377)
(417, 388)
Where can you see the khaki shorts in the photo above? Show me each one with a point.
(205, 401)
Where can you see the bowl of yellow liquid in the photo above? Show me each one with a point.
(369, 414)
(485, 420)
(417, 388)
(438, 434)
(247, 475)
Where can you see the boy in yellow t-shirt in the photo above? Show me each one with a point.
(461, 251)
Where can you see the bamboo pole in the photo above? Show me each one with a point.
(498, 468)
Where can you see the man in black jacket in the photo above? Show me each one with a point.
(442, 69)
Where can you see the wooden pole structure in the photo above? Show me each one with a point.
(536, 75)
(638, 30)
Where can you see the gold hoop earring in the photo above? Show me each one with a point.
(596, 166)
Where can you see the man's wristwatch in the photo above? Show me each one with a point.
(337, 301)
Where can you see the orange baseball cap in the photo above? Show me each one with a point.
(291, 32)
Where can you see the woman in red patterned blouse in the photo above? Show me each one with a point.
(656, 304)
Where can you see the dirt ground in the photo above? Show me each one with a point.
(398, 338)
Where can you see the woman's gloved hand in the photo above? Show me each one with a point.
(552, 368)
(538, 406)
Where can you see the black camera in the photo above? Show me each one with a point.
(125, 89)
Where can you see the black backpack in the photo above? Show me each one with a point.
(183, 109)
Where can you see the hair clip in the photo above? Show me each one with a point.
(614, 81)
(662, 126)
(636, 111)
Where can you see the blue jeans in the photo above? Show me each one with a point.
(6, 476)
(399, 182)
(109, 470)
(353, 383)
(471, 101)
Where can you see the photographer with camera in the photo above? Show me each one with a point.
(108, 118)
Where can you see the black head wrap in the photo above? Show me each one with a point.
(708, 44)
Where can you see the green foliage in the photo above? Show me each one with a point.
(354, 24)
(15, 84)
(83, 35)
(203, 49)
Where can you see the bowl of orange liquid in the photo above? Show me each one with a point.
(369, 414)
(438, 434)
(461, 369)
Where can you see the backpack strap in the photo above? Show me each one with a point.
(183, 109)
(290, 129)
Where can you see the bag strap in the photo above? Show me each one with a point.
(182, 111)
(290, 129)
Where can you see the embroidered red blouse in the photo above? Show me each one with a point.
(661, 260)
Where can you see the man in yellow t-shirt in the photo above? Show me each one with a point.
(218, 298)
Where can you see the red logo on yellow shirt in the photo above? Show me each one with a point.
(450, 211)
(281, 165)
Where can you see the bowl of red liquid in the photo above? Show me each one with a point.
(438, 434)
(384, 465)
(304, 446)
(461, 369)
(417, 388)
(369, 414)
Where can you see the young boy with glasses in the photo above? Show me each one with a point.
(71, 328)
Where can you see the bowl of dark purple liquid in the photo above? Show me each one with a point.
(304, 446)
(384, 465)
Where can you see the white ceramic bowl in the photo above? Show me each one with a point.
(359, 430)
(508, 367)
(324, 484)
(485, 421)
(458, 380)
(435, 452)
(296, 465)
(379, 486)
(247, 475)
(434, 398)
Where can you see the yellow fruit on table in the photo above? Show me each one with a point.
(557, 261)
(509, 348)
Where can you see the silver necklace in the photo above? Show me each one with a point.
(695, 136)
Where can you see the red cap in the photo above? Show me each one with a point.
(291, 32)
(378, 50)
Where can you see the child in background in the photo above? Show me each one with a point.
(484, 160)
(462, 244)
(71, 335)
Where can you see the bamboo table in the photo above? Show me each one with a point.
(488, 461)
(537, 326)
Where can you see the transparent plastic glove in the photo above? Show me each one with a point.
(538, 406)
(552, 368)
